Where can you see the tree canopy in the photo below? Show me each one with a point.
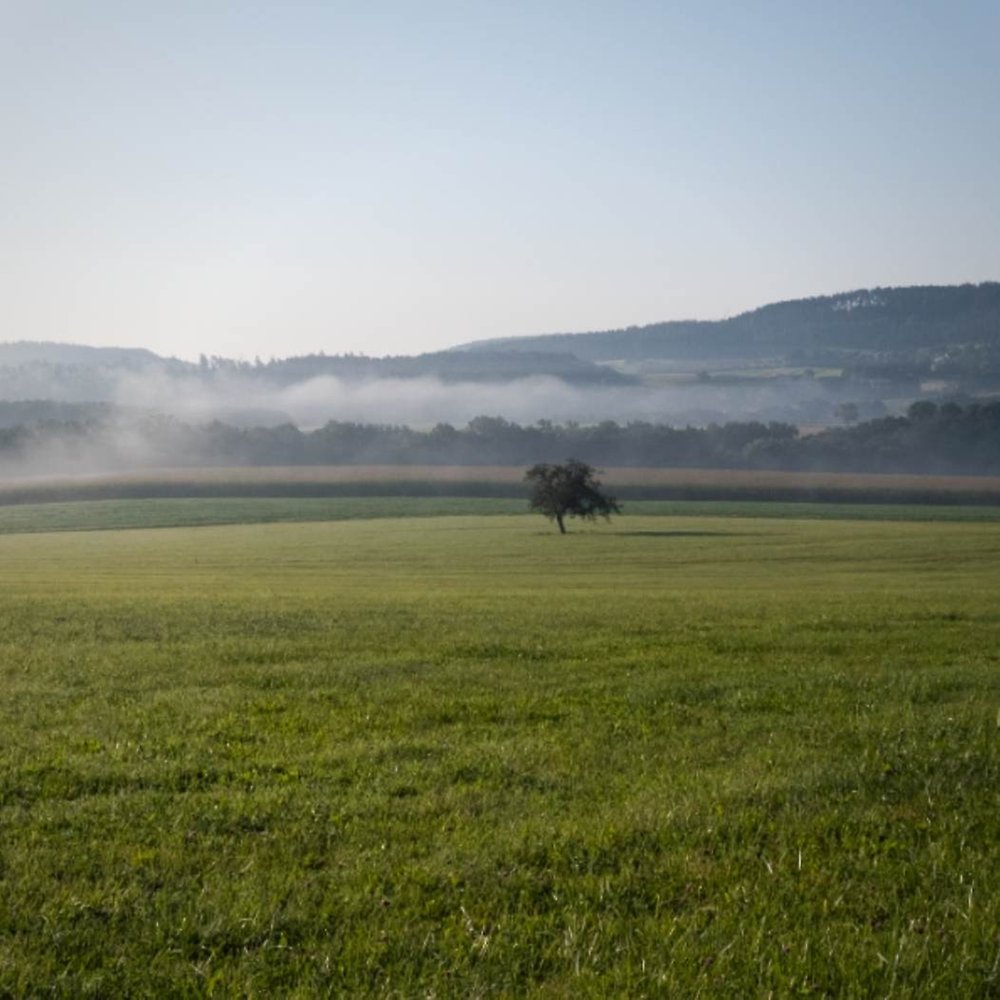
(571, 489)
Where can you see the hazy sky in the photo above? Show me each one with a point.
(247, 178)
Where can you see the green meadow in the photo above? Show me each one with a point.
(698, 752)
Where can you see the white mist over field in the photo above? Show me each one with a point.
(424, 402)
(160, 418)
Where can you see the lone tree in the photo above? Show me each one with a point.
(569, 490)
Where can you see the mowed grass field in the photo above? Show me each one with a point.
(456, 756)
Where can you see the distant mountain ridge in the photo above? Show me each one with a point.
(811, 330)
(26, 352)
(926, 323)
(27, 358)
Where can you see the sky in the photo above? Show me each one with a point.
(386, 177)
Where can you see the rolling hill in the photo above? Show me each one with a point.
(929, 325)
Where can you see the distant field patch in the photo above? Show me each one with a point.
(800, 510)
(102, 515)
(833, 486)
(504, 482)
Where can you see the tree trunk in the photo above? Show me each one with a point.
(562, 527)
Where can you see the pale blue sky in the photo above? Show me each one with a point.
(248, 178)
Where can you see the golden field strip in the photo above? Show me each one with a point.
(491, 480)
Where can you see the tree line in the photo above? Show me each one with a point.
(947, 439)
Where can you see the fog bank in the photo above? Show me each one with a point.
(424, 402)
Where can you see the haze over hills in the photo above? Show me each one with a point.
(872, 351)
(749, 392)
(306, 391)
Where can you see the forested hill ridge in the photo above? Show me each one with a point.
(952, 326)
(76, 373)
(947, 331)
(44, 352)
(499, 365)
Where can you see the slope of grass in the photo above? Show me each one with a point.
(466, 756)
(95, 515)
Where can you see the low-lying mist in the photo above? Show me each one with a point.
(149, 419)
(948, 439)
(424, 402)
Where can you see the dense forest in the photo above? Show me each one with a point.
(929, 439)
